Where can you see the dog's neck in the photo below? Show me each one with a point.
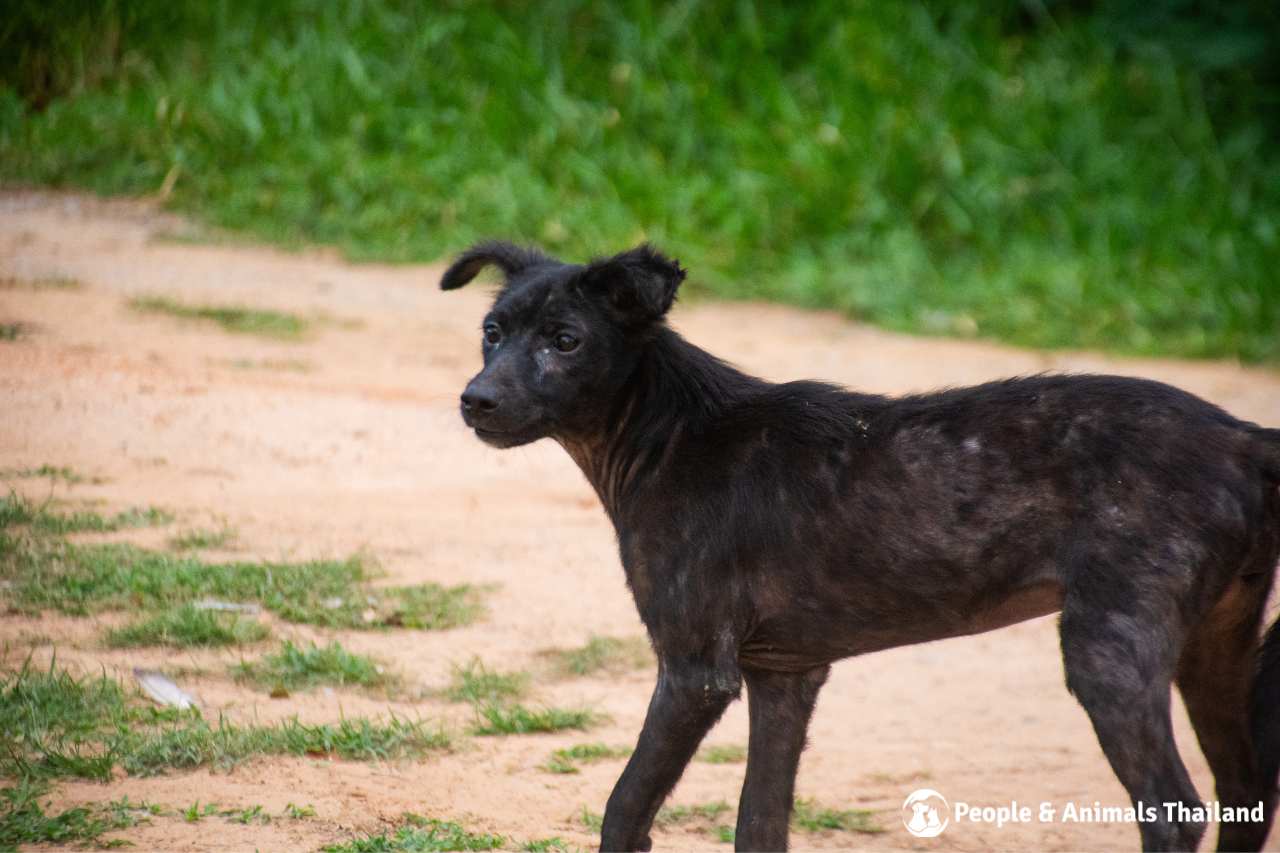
(677, 390)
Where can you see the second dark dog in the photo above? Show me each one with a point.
(769, 530)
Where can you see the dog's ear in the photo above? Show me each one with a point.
(507, 257)
(639, 284)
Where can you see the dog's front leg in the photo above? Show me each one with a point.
(690, 696)
(780, 704)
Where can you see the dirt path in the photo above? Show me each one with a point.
(349, 440)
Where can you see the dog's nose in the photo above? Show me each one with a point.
(478, 401)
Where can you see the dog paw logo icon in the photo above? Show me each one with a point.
(925, 813)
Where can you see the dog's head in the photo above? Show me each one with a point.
(560, 339)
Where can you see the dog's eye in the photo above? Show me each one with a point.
(492, 334)
(566, 343)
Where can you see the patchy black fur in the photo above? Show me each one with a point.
(768, 530)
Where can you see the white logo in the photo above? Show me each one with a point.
(925, 813)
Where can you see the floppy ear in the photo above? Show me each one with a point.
(640, 284)
(507, 257)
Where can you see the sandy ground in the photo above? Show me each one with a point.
(349, 440)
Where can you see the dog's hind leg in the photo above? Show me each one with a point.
(1215, 676)
(780, 704)
(1120, 644)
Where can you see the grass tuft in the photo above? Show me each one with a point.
(53, 282)
(809, 816)
(704, 813)
(427, 606)
(47, 572)
(289, 365)
(13, 331)
(196, 743)
(201, 540)
(417, 833)
(567, 760)
(592, 821)
(24, 821)
(124, 807)
(300, 668)
(247, 815)
(296, 812)
(188, 627)
(474, 682)
(53, 472)
(16, 510)
(497, 719)
(727, 753)
(602, 654)
(54, 724)
(195, 812)
(232, 318)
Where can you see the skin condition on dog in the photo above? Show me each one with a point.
(768, 530)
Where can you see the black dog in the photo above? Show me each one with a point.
(769, 530)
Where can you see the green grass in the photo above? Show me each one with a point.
(474, 682)
(232, 318)
(703, 813)
(1051, 174)
(201, 744)
(301, 668)
(428, 606)
(592, 821)
(24, 821)
(53, 282)
(54, 724)
(568, 759)
(87, 521)
(491, 693)
(500, 719)
(16, 510)
(47, 572)
(288, 365)
(200, 540)
(246, 815)
(188, 627)
(139, 811)
(728, 753)
(417, 833)
(195, 812)
(53, 472)
(809, 816)
(296, 812)
(543, 845)
(602, 654)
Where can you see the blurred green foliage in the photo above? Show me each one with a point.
(1049, 173)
